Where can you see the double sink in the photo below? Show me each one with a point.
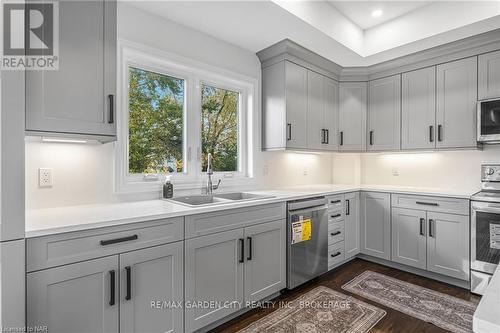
(216, 199)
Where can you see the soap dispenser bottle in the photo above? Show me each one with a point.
(168, 188)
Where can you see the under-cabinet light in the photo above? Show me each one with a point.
(61, 140)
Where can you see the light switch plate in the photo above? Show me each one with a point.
(44, 177)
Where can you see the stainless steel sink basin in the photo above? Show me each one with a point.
(217, 199)
(241, 196)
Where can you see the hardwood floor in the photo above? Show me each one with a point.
(394, 321)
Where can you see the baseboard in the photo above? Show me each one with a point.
(417, 271)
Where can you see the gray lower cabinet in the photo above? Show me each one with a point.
(489, 75)
(418, 109)
(352, 116)
(78, 98)
(351, 227)
(375, 224)
(456, 103)
(384, 113)
(232, 267)
(80, 297)
(409, 241)
(150, 278)
(448, 245)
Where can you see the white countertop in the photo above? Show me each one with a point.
(487, 316)
(41, 222)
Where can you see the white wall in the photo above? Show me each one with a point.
(83, 174)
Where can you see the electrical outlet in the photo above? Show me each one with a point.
(265, 172)
(44, 177)
(305, 172)
(395, 172)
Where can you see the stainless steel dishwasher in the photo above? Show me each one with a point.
(307, 240)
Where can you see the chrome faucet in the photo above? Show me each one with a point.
(209, 186)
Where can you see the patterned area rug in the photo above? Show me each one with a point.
(320, 310)
(445, 311)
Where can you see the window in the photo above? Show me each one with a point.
(173, 112)
(219, 127)
(155, 122)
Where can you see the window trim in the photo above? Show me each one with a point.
(194, 74)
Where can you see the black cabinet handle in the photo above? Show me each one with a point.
(112, 287)
(335, 201)
(242, 250)
(118, 240)
(422, 226)
(327, 136)
(431, 230)
(323, 136)
(335, 255)
(335, 216)
(335, 233)
(347, 207)
(427, 203)
(128, 271)
(289, 131)
(431, 133)
(440, 128)
(371, 138)
(111, 99)
(249, 248)
(341, 138)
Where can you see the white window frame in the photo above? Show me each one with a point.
(194, 75)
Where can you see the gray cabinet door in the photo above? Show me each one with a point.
(75, 98)
(316, 137)
(296, 105)
(213, 273)
(375, 224)
(351, 240)
(265, 266)
(384, 113)
(409, 237)
(489, 75)
(418, 114)
(331, 105)
(75, 298)
(448, 244)
(456, 104)
(150, 279)
(352, 115)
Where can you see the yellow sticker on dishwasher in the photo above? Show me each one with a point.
(301, 231)
(306, 230)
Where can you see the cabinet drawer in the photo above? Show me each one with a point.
(335, 254)
(209, 223)
(335, 203)
(62, 249)
(429, 203)
(335, 232)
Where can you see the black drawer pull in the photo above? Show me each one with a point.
(440, 129)
(128, 271)
(249, 239)
(341, 138)
(335, 233)
(111, 119)
(335, 216)
(242, 249)
(335, 255)
(335, 201)
(112, 287)
(427, 203)
(347, 207)
(118, 240)
(431, 133)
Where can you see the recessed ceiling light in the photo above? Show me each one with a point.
(377, 13)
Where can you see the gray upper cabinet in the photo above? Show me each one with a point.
(351, 236)
(152, 274)
(265, 262)
(448, 244)
(322, 112)
(284, 92)
(213, 272)
(77, 99)
(80, 297)
(384, 113)
(375, 224)
(409, 237)
(352, 116)
(489, 75)
(456, 104)
(418, 116)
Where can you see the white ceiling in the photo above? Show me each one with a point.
(360, 12)
(329, 29)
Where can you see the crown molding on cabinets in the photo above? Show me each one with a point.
(463, 48)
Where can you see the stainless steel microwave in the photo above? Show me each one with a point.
(488, 121)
